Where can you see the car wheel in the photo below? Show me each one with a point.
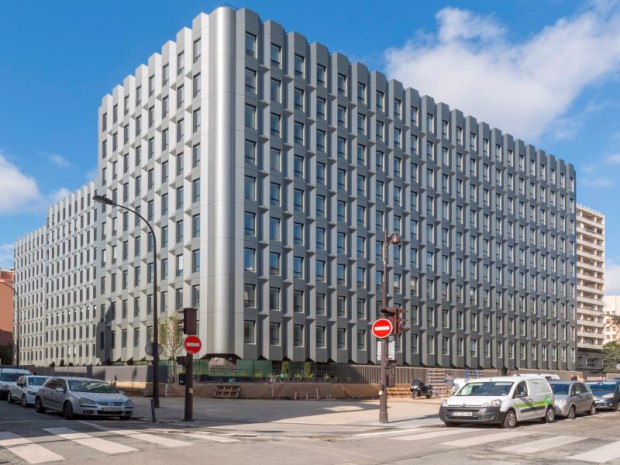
(571, 413)
(592, 410)
(38, 405)
(510, 420)
(125, 417)
(616, 406)
(23, 401)
(550, 415)
(449, 424)
(67, 411)
(9, 398)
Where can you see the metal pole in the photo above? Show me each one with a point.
(155, 346)
(189, 388)
(383, 407)
(16, 300)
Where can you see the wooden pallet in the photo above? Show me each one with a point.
(399, 391)
(227, 392)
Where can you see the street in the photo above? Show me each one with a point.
(307, 432)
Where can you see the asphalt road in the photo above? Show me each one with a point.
(303, 432)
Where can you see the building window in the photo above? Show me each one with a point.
(249, 331)
(298, 335)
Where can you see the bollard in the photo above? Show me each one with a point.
(153, 419)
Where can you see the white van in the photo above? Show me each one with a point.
(506, 400)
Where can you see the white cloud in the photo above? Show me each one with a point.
(613, 159)
(520, 87)
(6, 256)
(18, 192)
(58, 160)
(598, 182)
(612, 277)
(91, 174)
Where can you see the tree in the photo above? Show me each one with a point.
(6, 354)
(171, 338)
(170, 335)
(611, 357)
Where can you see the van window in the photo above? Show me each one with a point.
(521, 390)
(539, 386)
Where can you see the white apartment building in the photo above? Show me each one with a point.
(55, 276)
(590, 289)
(612, 308)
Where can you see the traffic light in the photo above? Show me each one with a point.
(189, 321)
(401, 325)
(390, 315)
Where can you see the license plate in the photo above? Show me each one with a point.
(111, 409)
(462, 414)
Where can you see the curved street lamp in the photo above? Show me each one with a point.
(393, 238)
(16, 295)
(107, 201)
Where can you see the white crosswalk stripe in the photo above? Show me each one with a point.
(485, 439)
(147, 437)
(600, 454)
(210, 437)
(542, 444)
(26, 449)
(87, 440)
(435, 434)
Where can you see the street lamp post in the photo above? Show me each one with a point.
(16, 295)
(393, 238)
(155, 346)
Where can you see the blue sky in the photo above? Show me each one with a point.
(546, 71)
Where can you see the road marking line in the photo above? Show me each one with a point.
(436, 434)
(87, 440)
(387, 433)
(210, 437)
(485, 439)
(543, 444)
(147, 437)
(600, 454)
(26, 449)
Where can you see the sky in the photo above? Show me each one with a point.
(545, 71)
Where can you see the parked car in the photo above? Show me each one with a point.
(606, 394)
(571, 398)
(8, 376)
(506, 400)
(82, 396)
(25, 389)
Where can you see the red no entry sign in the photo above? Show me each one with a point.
(382, 328)
(193, 344)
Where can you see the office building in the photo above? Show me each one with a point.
(55, 273)
(271, 170)
(612, 309)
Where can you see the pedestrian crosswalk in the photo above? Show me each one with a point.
(49, 444)
(524, 441)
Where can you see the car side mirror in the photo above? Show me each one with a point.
(122, 392)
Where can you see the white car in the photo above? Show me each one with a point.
(8, 376)
(25, 389)
(500, 399)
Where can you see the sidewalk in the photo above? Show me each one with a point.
(286, 415)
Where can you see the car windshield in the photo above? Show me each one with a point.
(486, 388)
(36, 380)
(603, 387)
(92, 386)
(560, 389)
(10, 376)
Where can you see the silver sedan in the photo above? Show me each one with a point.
(25, 389)
(83, 396)
(571, 398)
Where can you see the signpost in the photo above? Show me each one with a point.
(382, 328)
(193, 344)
